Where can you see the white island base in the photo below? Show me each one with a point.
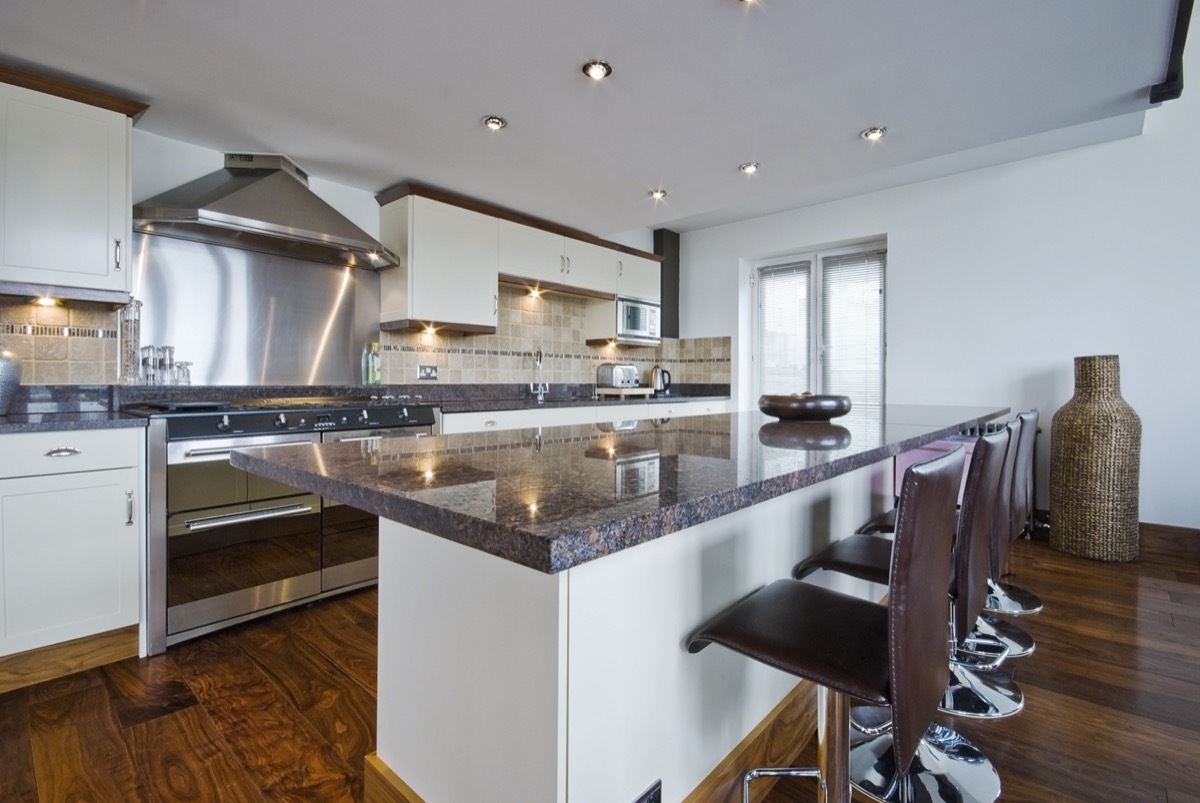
(501, 683)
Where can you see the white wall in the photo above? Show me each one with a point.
(998, 278)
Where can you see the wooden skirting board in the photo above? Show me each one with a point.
(58, 660)
(382, 785)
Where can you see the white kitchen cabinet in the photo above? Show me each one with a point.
(591, 267)
(638, 277)
(496, 420)
(71, 526)
(447, 275)
(546, 258)
(65, 211)
(532, 254)
(683, 408)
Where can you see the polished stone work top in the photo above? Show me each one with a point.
(62, 422)
(557, 497)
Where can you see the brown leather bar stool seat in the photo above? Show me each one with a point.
(976, 688)
(1014, 519)
(854, 649)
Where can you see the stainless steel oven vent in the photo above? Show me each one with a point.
(261, 203)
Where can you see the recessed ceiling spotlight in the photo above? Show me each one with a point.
(873, 134)
(749, 168)
(658, 194)
(597, 70)
(494, 123)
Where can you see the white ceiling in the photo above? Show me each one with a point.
(369, 93)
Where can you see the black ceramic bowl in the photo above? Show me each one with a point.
(804, 406)
(812, 435)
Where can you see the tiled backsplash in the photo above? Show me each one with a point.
(77, 345)
(553, 323)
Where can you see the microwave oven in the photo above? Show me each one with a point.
(638, 321)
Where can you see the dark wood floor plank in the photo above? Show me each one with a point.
(67, 684)
(337, 707)
(271, 739)
(79, 752)
(182, 757)
(341, 629)
(144, 688)
(18, 782)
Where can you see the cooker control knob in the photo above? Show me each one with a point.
(281, 421)
(223, 424)
(363, 416)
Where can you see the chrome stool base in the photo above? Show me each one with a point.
(1019, 642)
(946, 768)
(1010, 600)
(981, 694)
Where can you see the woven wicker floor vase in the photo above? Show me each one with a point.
(1095, 461)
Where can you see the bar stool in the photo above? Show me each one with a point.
(976, 687)
(893, 655)
(1014, 519)
(845, 555)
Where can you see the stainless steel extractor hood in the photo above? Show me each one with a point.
(261, 203)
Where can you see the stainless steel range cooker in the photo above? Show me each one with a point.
(225, 546)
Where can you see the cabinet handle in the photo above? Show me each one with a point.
(489, 423)
(562, 264)
(117, 255)
(63, 451)
(495, 303)
(620, 268)
(568, 266)
(129, 508)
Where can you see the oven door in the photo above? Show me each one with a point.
(350, 537)
(236, 543)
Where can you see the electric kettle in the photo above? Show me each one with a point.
(660, 379)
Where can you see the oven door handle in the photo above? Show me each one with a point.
(224, 451)
(237, 518)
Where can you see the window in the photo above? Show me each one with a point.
(821, 325)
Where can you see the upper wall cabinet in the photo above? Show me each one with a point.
(638, 277)
(65, 199)
(528, 251)
(447, 277)
(551, 259)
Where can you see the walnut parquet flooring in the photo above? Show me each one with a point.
(1112, 692)
(284, 708)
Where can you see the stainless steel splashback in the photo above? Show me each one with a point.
(247, 318)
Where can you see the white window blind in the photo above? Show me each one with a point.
(852, 327)
(783, 331)
(821, 325)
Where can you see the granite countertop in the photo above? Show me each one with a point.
(558, 497)
(60, 422)
(526, 403)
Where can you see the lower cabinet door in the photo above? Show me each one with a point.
(69, 547)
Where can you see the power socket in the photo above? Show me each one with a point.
(426, 372)
(651, 795)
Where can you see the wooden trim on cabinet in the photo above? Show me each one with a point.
(553, 287)
(409, 325)
(59, 660)
(62, 88)
(408, 188)
(382, 785)
(776, 742)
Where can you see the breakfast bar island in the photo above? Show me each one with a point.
(537, 588)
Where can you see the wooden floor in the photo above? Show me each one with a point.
(284, 708)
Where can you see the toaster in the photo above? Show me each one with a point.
(616, 375)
